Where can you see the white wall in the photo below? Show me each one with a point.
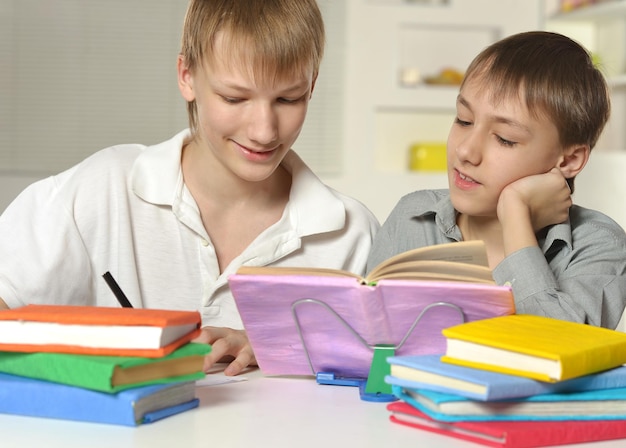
(602, 184)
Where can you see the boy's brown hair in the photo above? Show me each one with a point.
(275, 38)
(557, 78)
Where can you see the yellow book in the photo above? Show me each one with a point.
(535, 347)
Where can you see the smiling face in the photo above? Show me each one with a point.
(494, 143)
(246, 123)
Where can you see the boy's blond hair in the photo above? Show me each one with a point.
(275, 39)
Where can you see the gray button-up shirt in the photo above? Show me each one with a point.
(578, 272)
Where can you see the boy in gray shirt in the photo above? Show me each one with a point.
(529, 112)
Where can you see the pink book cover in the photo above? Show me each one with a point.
(511, 434)
(303, 325)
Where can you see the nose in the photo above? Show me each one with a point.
(469, 148)
(263, 124)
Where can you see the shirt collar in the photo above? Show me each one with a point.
(445, 214)
(313, 207)
(558, 234)
(157, 173)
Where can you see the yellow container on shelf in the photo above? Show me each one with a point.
(427, 157)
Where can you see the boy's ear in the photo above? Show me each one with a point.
(573, 160)
(185, 80)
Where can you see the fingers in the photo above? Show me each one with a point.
(560, 196)
(544, 198)
(209, 335)
(560, 175)
(245, 359)
(227, 345)
(562, 193)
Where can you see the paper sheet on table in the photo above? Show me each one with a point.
(215, 379)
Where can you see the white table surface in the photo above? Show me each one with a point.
(259, 412)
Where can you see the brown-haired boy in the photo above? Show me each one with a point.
(529, 111)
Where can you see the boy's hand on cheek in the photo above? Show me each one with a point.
(544, 198)
(227, 345)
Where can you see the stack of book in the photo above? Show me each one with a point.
(516, 381)
(121, 366)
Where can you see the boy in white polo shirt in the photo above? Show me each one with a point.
(172, 221)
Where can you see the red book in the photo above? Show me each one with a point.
(148, 333)
(512, 434)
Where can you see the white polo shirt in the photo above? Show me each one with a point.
(126, 210)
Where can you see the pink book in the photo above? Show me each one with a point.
(307, 324)
(511, 434)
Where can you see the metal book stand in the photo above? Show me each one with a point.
(374, 387)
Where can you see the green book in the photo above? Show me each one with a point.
(108, 373)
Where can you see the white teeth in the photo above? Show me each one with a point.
(464, 177)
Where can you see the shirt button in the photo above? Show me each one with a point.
(205, 243)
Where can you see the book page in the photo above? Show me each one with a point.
(23, 333)
(435, 270)
(463, 252)
(284, 270)
(158, 369)
(464, 261)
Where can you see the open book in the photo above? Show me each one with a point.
(305, 321)
(463, 261)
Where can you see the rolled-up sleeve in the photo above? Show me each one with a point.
(582, 281)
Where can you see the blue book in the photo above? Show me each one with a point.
(130, 407)
(603, 404)
(429, 372)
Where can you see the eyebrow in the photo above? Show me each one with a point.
(294, 88)
(497, 118)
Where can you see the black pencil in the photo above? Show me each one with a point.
(117, 291)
